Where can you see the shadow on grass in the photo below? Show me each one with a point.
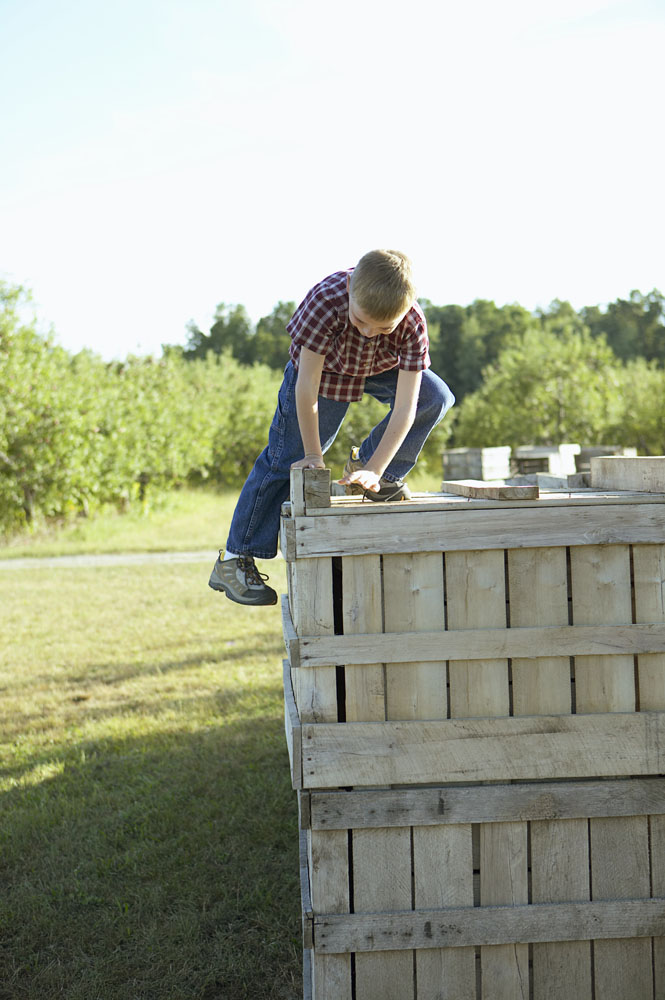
(156, 868)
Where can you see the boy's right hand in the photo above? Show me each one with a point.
(309, 462)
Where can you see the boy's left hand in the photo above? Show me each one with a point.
(362, 477)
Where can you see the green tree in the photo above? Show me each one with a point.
(633, 327)
(271, 342)
(231, 330)
(642, 421)
(552, 384)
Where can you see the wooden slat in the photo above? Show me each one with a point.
(312, 614)
(649, 575)
(443, 876)
(574, 496)
(291, 640)
(414, 601)
(481, 643)
(538, 589)
(329, 877)
(657, 844)
(479, 490)
(382, 881)
(529, 748)
(341, 810)
(559, 873)
(620, 472)
(362, 612)
(601, 595)
(477, 599)
(488, 528)
(620, 870)
(504, 879)
(490, 925)
(292, 728)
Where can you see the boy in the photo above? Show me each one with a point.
(359, 330)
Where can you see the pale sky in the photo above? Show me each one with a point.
(162, 156)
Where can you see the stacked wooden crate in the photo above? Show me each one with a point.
(475, 712)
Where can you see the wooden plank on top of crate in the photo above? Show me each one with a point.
(501, 749)
(479, 644)
(483, 528)
(428, 502)
(620, 472)
(447, 805)
(490, 925)
(479, 490)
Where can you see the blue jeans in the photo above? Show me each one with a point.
(255, 525)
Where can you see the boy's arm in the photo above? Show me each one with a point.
(403, 415)
(310, 366)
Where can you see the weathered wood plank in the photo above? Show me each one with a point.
(443, 876)
(477, 599)
(489, 925)
(481, 643)
(292, 728)
(528, 748)
(428, 502)
(362, 611)
(329, 879)
(649, 576)
(341, 810)
(382, 881)
(439, 531)
(538, 592)
(479, 490)
(504, 879)
(291, 641)
(413, 593)
(619, 472)
(312, 613)
(601, 595)
(316, 488)
(657, 844)
(620, 870)
(560, 873)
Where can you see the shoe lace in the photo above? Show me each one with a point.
(248, 566)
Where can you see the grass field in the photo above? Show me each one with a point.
(148, 830)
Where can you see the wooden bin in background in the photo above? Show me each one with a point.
(475, 714)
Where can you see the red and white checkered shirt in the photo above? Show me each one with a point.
(321, 323)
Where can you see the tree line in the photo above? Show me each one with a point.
(77, 432)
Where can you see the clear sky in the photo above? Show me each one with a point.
(162, 156)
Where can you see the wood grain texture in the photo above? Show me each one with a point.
(529, 748)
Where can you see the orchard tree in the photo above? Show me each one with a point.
(270, 344)
(546, 387)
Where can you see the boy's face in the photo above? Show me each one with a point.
(369, 327)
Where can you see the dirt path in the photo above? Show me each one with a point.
(107, 559)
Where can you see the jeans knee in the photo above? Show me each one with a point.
(439, 398)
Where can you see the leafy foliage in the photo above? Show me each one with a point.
(77, 433)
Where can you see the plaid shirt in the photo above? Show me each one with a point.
(321, 323)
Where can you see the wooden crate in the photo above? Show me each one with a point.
(475, 713)
(476, 463)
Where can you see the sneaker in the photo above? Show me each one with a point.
(241, 581)
(388, 489)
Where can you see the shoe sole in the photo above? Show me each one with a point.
(262, 602)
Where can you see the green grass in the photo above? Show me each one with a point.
(148, 841)
(183, 520)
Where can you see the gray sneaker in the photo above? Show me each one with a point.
(241, 581)
(388, 490)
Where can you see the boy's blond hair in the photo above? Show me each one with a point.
(382, 284)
